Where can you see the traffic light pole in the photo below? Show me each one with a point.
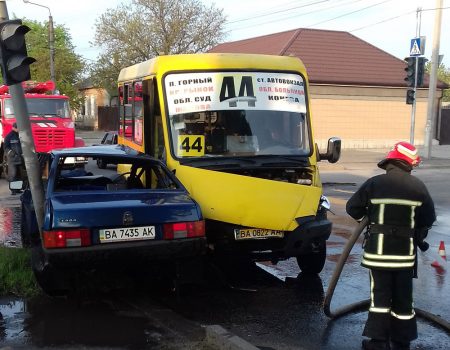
(413, 107)
(26, 139)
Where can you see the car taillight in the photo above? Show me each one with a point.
(184, 229)
(67, 238)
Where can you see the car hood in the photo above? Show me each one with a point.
(249, 201)
(108, 209)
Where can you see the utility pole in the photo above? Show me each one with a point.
(15, 70)
(51, 40)
(431, 110)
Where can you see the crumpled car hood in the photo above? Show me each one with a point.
(249, 201)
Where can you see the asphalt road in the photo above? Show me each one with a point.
(270, 306)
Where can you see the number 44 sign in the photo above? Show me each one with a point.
(191, 145)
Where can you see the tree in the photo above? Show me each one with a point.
(68, 65)
(444, 76)
(148, 28)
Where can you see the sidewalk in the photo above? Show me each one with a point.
(350, 158)
(357, 158)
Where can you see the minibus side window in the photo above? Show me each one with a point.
(127, 108)
(153, 130)
(121, 110)
(137, 120)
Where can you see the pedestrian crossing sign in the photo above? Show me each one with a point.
(415, 47)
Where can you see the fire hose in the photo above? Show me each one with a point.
(363, 304)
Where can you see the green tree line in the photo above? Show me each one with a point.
(69, 66)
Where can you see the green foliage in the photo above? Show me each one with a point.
(444, 76)
(134, 33)
(16, 276)
(68, 65)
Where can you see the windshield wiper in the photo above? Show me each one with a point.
(280, 159)
(219, 161)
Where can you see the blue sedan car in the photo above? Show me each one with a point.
(134, 211)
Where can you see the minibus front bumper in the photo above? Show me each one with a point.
(309, 236)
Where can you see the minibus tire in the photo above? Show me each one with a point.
(312, 263)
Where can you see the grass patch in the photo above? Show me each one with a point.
(16, 276)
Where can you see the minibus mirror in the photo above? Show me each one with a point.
(333, 150)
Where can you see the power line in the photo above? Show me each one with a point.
(436, 8)
(299, 15)
(395, 17)
(266, 11)
(348, 13)
(386, 20)
(275, 12)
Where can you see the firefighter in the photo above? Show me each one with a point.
(400, 212)
(13, 151)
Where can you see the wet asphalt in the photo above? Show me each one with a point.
(270, 306)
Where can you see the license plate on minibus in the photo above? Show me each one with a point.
(126, 234)
(256, 233)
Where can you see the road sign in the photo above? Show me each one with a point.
(415, 47)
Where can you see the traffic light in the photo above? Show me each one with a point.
(410, 96)
(421, 70)
(410, 71)
(15, 63)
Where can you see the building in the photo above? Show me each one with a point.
(94, 97)
(357, 90)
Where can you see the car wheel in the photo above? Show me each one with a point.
(51, 281)
(101, 164)
(313, 262)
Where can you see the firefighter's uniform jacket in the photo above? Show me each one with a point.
(13, 155)
(400, 211)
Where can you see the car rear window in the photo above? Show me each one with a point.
(110, 173)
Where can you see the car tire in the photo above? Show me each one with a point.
(101, 164)
(313, 262)
(51, 281)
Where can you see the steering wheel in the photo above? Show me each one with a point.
(121, 178)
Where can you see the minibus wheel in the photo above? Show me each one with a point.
(313, 262)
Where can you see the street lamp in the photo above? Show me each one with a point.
(51, 40)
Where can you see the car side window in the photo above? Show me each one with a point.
(83, 174)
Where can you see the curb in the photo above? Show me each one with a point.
(218, 336)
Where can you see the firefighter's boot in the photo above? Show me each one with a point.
(372, 344)
(396, 345)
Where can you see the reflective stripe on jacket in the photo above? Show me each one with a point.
(396, 204)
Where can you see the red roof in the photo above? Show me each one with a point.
(330, 57)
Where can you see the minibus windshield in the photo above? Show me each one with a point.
(237, 114)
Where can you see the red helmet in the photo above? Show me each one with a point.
(402, 151)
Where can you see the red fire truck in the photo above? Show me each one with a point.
(51, 123)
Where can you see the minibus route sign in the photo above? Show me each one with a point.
(203, 91)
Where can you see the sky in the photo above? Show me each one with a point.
(387, 24)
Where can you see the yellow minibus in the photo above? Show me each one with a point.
(236, 129)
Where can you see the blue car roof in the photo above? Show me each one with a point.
(109, 150)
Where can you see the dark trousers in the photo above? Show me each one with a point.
(14, 168)
(391, 312)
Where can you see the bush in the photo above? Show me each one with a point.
(16, 276)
